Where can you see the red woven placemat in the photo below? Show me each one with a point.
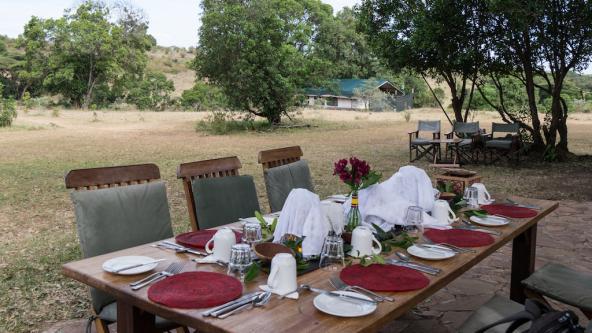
(459, 237)
(510, 211)
(384, 277)
(199, 238)
(195, 290)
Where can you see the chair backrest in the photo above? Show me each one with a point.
(466, 128)
(432, 126)
(214, 168)
(281, 180)
(275, 157)
(504, 128)
(117, 208)
(95, 178)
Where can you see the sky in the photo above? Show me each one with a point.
(172, 22)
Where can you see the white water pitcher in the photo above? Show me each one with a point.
(443, 213)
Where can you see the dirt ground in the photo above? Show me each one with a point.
(37, 221)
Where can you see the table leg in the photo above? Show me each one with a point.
(523, 257)
(130, 319)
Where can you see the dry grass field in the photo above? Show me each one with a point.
(37, 225)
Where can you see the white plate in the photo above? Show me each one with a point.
(339, 198)
(114, 264)
(340, 308)
(429, 254)
(269, 219)
(490, 221)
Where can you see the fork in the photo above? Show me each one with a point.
(173, 269)
(340, 285)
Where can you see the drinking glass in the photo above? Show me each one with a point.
(414, 218)
(332, 257)
(471, 196)
(252, 235)
(240, 260)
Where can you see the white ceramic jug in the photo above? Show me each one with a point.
(442, 212)
(282, 277)
(223, 240)
(361, 241)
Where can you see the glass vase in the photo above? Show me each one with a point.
(354, 218)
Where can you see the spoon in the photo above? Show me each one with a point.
(260, 300)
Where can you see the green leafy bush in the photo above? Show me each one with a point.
(203, 96)
(154, 92)
(7, 110)
(224, 122)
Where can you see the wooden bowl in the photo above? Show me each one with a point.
(267, 251)
(447, 196)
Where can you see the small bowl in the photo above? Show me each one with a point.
(447, 196)
(267, 251)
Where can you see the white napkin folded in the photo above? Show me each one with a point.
(302, 216)
(333, 213)
(293, 295)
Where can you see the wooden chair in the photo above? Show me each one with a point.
(106, 177)
(421, 146)
(95, 178)
(469, 148)
(276, 157)
(507, 145)
(214, 168)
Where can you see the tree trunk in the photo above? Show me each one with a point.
(537, 138)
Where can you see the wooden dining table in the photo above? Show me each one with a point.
(135, 312)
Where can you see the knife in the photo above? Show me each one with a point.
(342, 296)
(248, 297)
(522, 205)
(492, 232)
(415, 266)
(184, 248)
(122, 269)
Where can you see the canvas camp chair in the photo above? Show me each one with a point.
(422, 146)
(503, 146)
(552, 281)
(469, 148)
(106, 202)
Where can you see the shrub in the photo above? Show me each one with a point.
(154, 92)
(7, 110)
(407, 116)
(27, 101)
(225, 122)
(203, 96)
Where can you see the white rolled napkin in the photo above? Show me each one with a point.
(302, 216)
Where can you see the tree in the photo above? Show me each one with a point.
(261, 52)
(7, 110)
(539, 43)
(437, 38)
(346, 49)
(34, 68)
(89, 55)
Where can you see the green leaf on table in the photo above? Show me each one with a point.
(252, 272)
(273, 225)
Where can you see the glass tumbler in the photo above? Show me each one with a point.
(240, 260)
(332, 257)
(414, 218)
(471, 196)
(252, 235)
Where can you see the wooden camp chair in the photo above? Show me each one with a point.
(276, 157)
(507, 145)
(471, 146)
(108, 177)
(214, 168)
(422, 146)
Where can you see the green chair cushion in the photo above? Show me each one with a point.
(220, 201)
(494, 309)
(499, 144)
(112, 219)
(109, 314)
(563, 284)
(420, 141)
(279, 181)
